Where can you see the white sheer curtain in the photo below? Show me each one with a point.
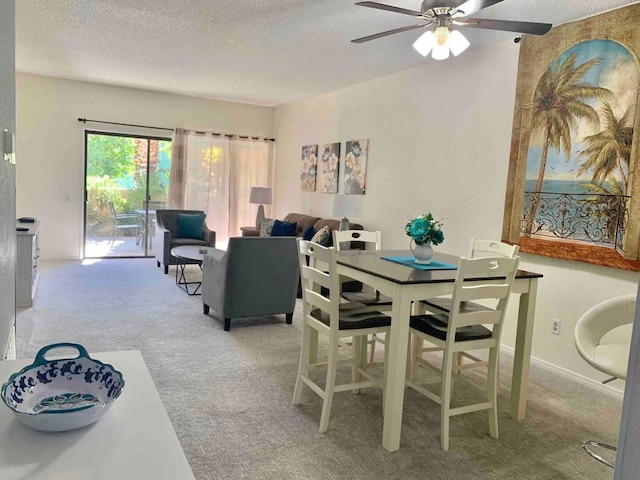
(207, 181)
(215, 174)
(251, 167)
(178, 166)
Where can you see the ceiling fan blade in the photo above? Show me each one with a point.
(389, 32)
(389, 8)
(507, 25)
(472, 6)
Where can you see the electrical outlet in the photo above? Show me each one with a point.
(555, 328)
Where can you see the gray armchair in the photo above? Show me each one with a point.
(166, 237)
(255, 276)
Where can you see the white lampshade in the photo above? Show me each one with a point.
(260, 195)
(440, 52)
(457, 42)
(347, 206)
(425, 43)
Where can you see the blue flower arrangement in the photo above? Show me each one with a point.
(424, 229)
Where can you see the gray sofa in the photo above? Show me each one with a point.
(305, 221)
(256, 276)
(166, 238)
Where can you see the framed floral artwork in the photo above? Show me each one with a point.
(572, 188)
(355, 166)
(328, 168)
(309, 159)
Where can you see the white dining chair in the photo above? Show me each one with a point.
(371, 240)
(477, 249)
(464, 330)
(324, 313)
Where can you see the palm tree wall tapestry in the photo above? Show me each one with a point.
(574, 178)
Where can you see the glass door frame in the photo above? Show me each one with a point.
(149, 138)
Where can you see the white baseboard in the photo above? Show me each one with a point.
(589, 382)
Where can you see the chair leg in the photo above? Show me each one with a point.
(492, 391)
(289, 318)
(312, 353)
(166, 269)
(445, 398)
(227, 324)
(303, 366)
(205, 308)
(384, 370)
(459, 360)
(373, 348)
(330, 384)
(359, 345)
(158, 262)
(414, 354)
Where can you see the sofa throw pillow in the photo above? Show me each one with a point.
(283, 229)
(322, 237)
(191, 225)
(266, 226)
(309, 233)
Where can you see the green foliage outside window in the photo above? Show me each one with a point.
(102, 190)
(110, 155)
(158, 189)
(116, 172)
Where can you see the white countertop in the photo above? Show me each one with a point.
(133, 440)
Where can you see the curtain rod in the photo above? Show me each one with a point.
(200, 132)
(85, 120)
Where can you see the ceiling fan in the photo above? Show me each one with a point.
(443, 14)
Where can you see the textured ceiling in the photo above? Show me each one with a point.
(268, 53)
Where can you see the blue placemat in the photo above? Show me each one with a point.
(411, 262)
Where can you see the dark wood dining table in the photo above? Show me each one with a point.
(406, 285)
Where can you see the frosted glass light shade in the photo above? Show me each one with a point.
(440, 43)
(441, 34)
(425, 43)
(457, 42)
(440, 52)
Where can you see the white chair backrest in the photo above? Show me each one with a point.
(491, 248)
(370, 238)
(313, 280)
(481, 279)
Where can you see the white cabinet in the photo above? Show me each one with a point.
(27, 271)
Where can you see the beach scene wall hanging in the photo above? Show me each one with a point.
(573, 189)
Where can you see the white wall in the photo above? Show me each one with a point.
(50, 143)
(439, 139)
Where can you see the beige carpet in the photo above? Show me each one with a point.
(229, 394)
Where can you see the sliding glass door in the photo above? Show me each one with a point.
(126, 180)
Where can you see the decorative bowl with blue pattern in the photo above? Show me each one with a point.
(62, 394)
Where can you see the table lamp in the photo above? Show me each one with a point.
(346, 206)
(261, 196)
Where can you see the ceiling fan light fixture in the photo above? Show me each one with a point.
(457, 42)
(441, 34)
(425, 43)
(440, 52)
